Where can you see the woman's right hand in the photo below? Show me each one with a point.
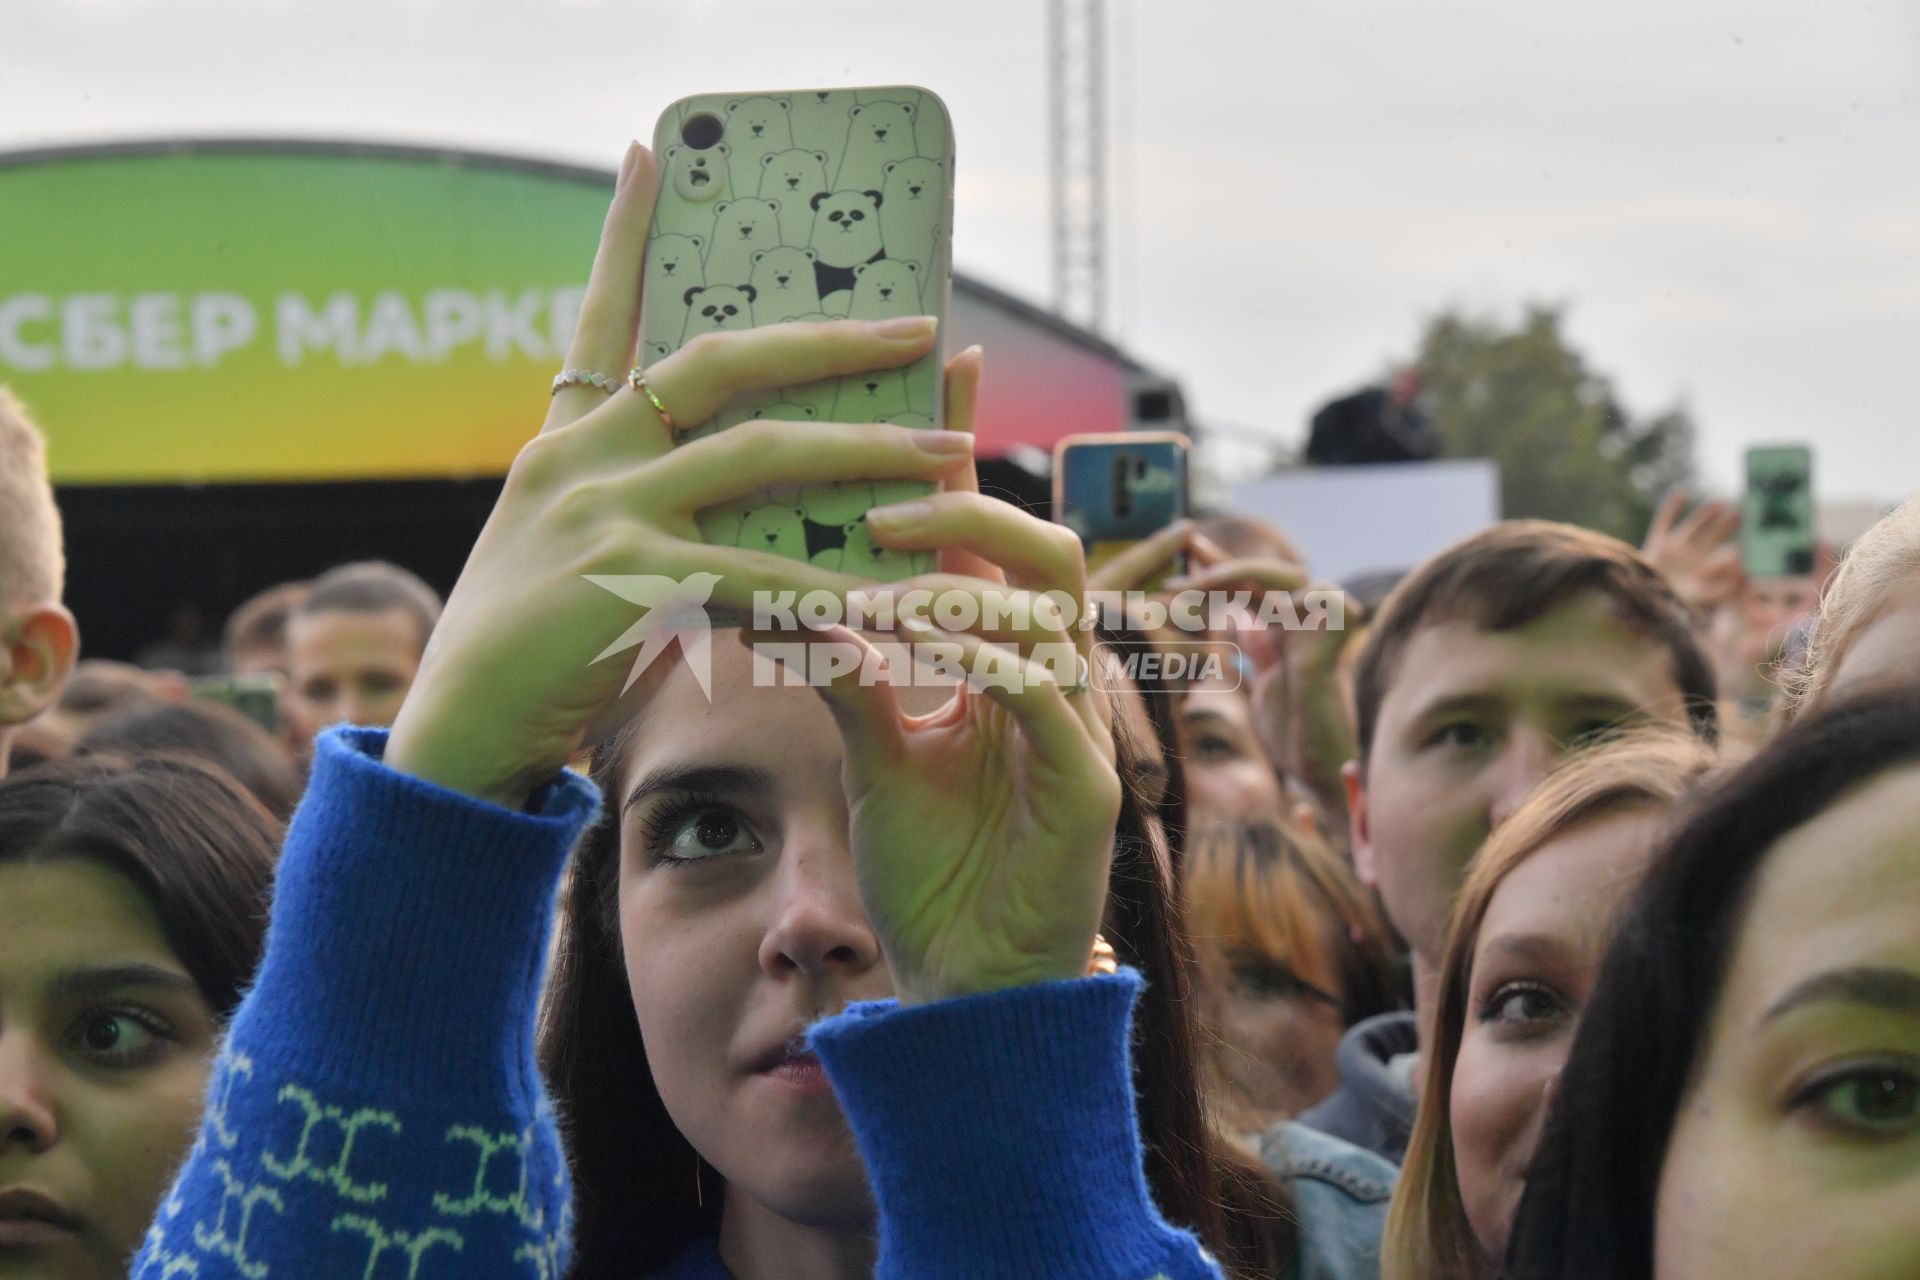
(512, 682)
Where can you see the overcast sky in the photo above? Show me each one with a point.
(1724, 193)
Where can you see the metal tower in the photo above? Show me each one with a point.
(1078, 147)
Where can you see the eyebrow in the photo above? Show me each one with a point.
(1195, 714)
(1528, 946)
(1617, 705)
(729, 778)
(84, 983)
(1891, 990)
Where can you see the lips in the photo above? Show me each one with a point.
(792, 1065)
(31, 1218)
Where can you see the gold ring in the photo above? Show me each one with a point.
(638, 378)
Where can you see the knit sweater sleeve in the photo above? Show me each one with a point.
(376, 1111)
(1000, 1135)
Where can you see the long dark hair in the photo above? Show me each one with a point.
(198, 847)
(1588, 1211)
(626, 1150)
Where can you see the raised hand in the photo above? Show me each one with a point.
(1698, 554)
(983, 832)
(511, 684)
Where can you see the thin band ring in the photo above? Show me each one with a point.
(583, 378)
(1084, 683)
(638, 378)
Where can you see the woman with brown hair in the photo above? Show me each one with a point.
(1292, 952)
(1528, 933)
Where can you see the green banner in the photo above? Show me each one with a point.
(227, 312)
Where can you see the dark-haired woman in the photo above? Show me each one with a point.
(132, 905)
(838, 936)
(1742, 1101)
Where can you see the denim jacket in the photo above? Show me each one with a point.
(1340, 1196)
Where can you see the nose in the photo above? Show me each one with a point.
(819, 927)
(886, 293)
(29, 1121)
(1529, 756)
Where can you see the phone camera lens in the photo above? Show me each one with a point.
(702, 131)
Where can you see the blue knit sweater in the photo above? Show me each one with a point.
(376, 1112)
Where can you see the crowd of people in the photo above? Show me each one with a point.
(1556, 915)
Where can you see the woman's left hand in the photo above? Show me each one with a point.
(983, 831)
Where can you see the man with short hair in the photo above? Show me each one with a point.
(353, 647)
(1484, 667)
(38, 637)
(255, 640)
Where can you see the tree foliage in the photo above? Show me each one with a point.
(1567, 448)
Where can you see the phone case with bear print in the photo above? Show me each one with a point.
(806, 205)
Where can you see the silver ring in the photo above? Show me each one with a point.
(583, 378)
(1084, 683)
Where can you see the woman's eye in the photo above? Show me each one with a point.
(695, 833)
(1877, 1101)
(1462, 735)
(1522, 1007)
(1210, 746)
(116, 1037)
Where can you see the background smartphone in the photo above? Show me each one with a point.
(1777, 537)
(1114, 490)
(806, 205)
(255, 697)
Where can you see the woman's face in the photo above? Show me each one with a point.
(1796, 1150)
(1228, 776)
(1278, 1039)
(741, 924)
(105, 1048)
(1534, 961)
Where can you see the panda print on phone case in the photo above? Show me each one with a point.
(809, 205)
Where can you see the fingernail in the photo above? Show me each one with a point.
(900, 515)
(626, 165)
(905, 328)
(950, 443)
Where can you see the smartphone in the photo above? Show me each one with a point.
(255, 697)
(1777, 537)
(807, 205)
(1115, 489)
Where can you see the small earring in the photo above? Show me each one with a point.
(1103, 961)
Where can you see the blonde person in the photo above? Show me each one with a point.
(1868, 632)
(1528, 933)
(38, 638)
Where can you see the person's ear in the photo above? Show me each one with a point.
(1359, 830)
(36, 657)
